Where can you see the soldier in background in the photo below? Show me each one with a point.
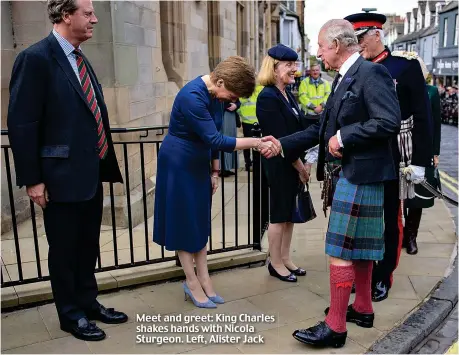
(415, 135)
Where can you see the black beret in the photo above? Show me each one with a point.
(365, 21)
(281, 52)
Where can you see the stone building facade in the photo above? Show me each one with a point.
(143, 52)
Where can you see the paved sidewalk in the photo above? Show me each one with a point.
(441, 338)
(250, 291)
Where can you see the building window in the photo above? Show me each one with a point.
(455, 30)
(445, 32)
(424, 49)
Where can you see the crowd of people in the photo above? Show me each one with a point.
(374, 134)
(448, 97)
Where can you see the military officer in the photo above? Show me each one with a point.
(415, 148)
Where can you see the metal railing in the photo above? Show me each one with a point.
(257, 214)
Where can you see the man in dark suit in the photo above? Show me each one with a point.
(60, 137)
(361, 117)
(416, 131)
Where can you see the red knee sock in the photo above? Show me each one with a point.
(362, 271)
(341, 279)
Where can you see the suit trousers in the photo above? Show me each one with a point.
(383, 271)
(73, 231)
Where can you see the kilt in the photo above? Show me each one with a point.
(356, 224)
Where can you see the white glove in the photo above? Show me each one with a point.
(414, 173)
(312, 155)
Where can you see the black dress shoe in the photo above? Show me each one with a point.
(288, 278)
(361, 319)
(320, 335)
(380, 292)
(84, 330)
(412, 246)
(298, 272)
(107, 315)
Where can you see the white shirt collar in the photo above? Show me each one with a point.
(348, 64)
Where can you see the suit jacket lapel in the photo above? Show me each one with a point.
(346, 81)
(286, 103)
(64, 63)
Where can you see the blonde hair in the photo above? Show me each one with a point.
(266, 75)
(238, 76)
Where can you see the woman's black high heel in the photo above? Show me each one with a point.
(273, 272)
(298, 272)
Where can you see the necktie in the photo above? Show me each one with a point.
(89, 93)
(335, 82)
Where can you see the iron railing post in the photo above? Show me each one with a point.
(256, 205)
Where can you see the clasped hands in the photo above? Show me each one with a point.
(271, 147)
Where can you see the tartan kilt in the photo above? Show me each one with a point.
(356, 224)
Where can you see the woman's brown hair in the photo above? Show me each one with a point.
(238, 76)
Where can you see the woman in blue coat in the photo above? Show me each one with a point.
(188, 169)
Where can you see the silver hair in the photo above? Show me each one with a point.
(343, 32)
(373, 32)
(57, 9)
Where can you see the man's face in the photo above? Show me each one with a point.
(315, 72)
(369, 45)
(82, 21)
(327, 53)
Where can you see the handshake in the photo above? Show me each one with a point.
(269, 147)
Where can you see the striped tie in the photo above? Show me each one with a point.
(91, 97)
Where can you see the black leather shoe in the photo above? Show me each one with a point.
(288, 278)
(412, 246)
(84, 329)
(107, 315)
(361, 319)
(298, 272)
(320, 335)
(380, 292)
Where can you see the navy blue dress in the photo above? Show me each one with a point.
(183, 187)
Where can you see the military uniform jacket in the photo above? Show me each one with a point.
(414, 100)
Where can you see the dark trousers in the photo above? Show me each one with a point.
(412, 221)
(247, 131)
(73, 231)
(392, 234)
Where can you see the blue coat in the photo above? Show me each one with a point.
(183, 186)
(365, 109)
(52, 131)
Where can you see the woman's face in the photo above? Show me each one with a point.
(285, 72)
(223, 94)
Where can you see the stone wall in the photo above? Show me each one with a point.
(143, 52)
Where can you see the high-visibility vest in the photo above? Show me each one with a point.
(311, 96)
(248, 110)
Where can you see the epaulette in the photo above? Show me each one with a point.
(405, 54)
